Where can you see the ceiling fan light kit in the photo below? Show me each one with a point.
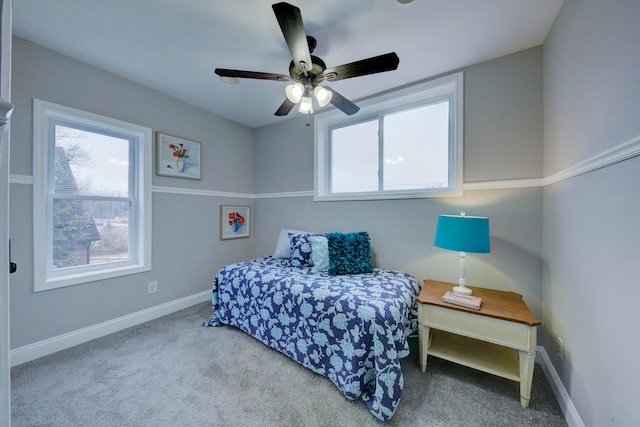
(230, 80)
(294, 92)
(323, 95)
(306, 106)
(308, 71)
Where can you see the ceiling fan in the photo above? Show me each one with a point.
(308, 71)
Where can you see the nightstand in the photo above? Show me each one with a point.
(500, 338)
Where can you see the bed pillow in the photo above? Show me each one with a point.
(283, 248)
(300, 250)
(349, 253)
(319, 254)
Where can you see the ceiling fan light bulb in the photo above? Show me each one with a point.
(294, 92)
(323, 95)
(306, 106)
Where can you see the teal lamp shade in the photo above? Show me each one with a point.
(463, 233)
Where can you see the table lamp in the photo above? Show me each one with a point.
(464, 234)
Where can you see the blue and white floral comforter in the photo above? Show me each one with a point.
(351, 329)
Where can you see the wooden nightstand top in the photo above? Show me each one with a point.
(498, 304)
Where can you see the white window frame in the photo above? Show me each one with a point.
(448, 87)
(45, 277)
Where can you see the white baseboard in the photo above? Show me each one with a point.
(39, 349)
(564, 400)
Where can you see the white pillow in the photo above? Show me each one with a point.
(283, 249)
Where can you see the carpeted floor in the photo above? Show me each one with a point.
(174, 372)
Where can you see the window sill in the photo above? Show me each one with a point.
(86, 277)
(386, 196)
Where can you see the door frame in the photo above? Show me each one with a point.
(5, 94)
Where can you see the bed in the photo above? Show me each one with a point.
(350, 328)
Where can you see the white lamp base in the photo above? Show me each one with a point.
(461, 290)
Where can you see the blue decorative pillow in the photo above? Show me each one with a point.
(300, 250)
(319, 254)
(349, 253)
(283, 247)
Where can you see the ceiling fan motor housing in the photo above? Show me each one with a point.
(313, 75)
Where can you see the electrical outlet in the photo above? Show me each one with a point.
(153, 286)
(560, 348)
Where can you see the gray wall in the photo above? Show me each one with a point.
(567, 247)
(186, 246)
(502, 140)
(591, 227)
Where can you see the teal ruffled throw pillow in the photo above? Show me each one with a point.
(349, 253)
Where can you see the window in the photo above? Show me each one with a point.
(92, 197)
(402, 145)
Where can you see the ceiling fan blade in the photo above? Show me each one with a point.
(290, 21)
(376, 64)
(343, 103)
(285, 108)
(223, 72)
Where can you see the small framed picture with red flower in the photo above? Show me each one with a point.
(234, 222)
(177, 157)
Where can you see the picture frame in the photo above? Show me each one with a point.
(235, 222)
(177, 157)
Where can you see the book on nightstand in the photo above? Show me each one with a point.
(468, 301)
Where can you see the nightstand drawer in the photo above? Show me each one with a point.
(497, 331)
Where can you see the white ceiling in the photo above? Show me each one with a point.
(173, 46)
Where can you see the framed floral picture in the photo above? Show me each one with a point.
(235, 222)
(177, 157)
